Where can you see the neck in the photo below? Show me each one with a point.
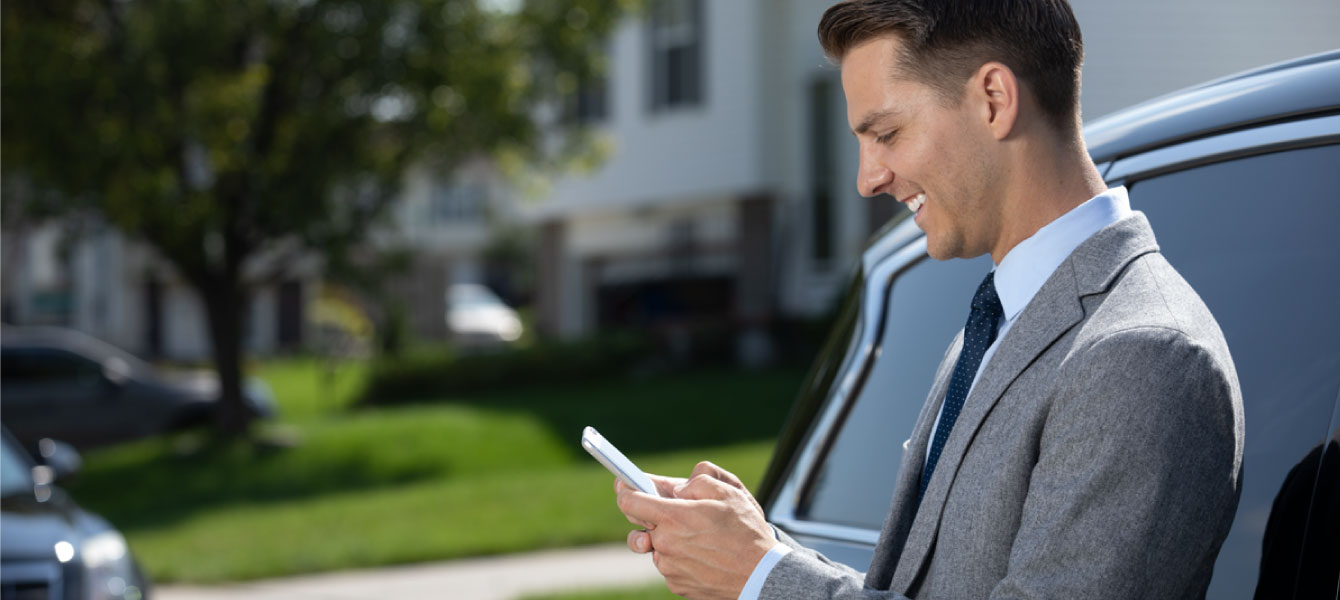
(1048, 179)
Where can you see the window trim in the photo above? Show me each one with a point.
(1290, 135)
(897, 255)
(696, 30)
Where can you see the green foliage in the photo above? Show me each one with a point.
(235, 137)
(461, 476)
(418, 376)
(117, 105)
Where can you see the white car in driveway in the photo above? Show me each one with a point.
(477, 318)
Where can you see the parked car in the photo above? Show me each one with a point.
(1240, 179)
(52, 548)
(62, 384)
(477, 318)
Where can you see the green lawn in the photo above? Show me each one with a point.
(492, 473)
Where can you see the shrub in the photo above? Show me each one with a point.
(421, 376)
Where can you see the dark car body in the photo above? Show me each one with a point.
(62, 384)
(1240, 179)
(52, 548)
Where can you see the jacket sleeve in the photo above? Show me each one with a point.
(805, 573)
(1138, 473)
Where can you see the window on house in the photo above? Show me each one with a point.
(590, 103)
(460, 203)
(676, 52)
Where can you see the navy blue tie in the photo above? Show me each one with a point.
(978, 335)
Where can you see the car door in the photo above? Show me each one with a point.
(1250, 219)
(1255, 236)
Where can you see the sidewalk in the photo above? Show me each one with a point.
(503, 577)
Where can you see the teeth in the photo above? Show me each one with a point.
(917, 201)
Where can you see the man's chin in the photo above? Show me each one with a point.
(947, 251)
(938, 251)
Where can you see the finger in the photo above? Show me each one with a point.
(666, 486)
(639, 541)
(710, 469)
(643, 509)
(705, 487)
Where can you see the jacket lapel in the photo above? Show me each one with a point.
(899, 520)
(1054, 310)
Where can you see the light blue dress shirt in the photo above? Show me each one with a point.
(1019, 276)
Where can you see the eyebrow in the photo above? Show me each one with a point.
(872, 118)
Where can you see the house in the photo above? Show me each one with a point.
(96, 280)
(727, 199)
(729, 193)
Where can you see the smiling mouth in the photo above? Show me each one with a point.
(915, 202)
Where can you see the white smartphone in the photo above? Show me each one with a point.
(616, 462)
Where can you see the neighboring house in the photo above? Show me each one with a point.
(98, 281)
(446, 220)
(728, 196)
(730, 187)
(122, 292)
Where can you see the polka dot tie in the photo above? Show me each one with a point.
(978, 335)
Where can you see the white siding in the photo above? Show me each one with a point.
(685, 153)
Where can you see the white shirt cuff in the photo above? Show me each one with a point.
(754, 586)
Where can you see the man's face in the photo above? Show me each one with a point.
(931, 157)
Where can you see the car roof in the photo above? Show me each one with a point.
(51, 337)
(1302, 87)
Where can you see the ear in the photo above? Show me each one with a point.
(997, 86)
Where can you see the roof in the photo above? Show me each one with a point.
(1306, 86)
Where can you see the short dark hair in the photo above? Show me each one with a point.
(945, 41)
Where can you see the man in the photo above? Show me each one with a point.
(1083, 435)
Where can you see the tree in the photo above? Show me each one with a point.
(238, 135)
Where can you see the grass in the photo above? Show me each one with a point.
(310, 387)
(455, 477)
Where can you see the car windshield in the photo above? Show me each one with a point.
(15, 474)
(472, 296)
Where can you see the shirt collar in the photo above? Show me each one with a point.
(1027, 266)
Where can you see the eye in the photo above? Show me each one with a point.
(885, 138)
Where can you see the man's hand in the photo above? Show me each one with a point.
(706, 534)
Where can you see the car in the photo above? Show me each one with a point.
(478, 319)
(52, 548)
(1240, 179)
(63, 384)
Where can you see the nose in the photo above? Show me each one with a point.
(872, 177)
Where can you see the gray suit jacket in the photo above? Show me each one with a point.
(1098, 456)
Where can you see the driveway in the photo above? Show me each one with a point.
(503, 577)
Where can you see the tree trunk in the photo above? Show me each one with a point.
(224, 300)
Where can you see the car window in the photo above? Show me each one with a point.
(15, 477)
(472, 296)
(1256, 238)
(927, 306)
(45, 366)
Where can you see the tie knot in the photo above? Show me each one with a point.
(985, 299)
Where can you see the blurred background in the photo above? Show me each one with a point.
(324, 285)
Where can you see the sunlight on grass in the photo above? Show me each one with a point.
(482, 514)
(307, 387)
(452, 478)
